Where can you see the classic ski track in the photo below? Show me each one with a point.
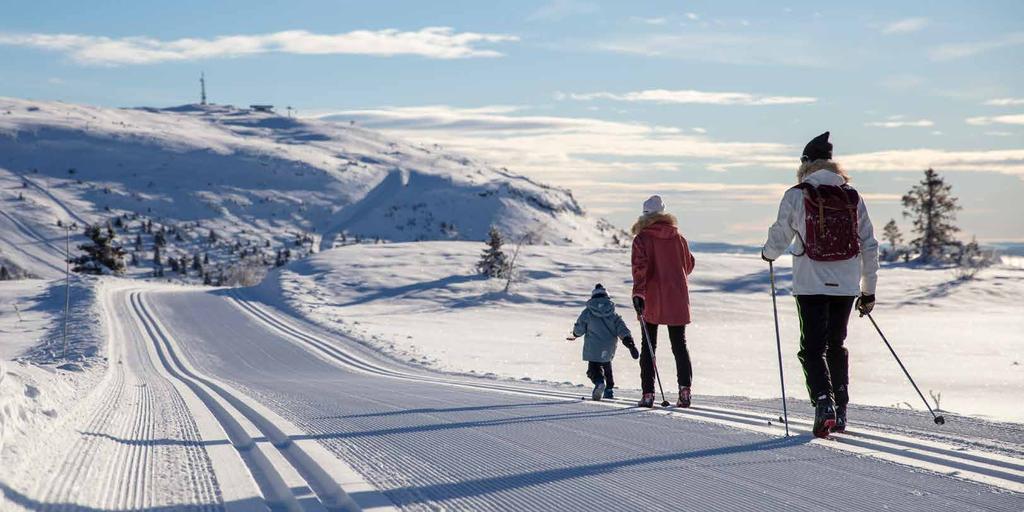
(101, 454)
(56, 200)
(41, 240)
(232, 412)
(981, 467)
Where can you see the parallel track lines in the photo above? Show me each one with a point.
(993, 469)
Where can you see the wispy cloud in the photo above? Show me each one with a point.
(1015, 119)
(901, 122)
(905, 26)
(560, 9)
(729, 48)
(689, 96)
(650, 21)
(429, 42)
(1005, 102)
(566, 150)
(953, 51)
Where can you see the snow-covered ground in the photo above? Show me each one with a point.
(424, 303)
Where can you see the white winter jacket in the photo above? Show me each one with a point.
(846, 278)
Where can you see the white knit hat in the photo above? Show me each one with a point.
(653, 205)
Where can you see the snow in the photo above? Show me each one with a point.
(424, 303)
(262, 176)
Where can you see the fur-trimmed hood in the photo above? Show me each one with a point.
(809, 168)
(653, 218)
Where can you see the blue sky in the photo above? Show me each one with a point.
(707, 103)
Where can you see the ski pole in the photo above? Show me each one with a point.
(939, 420)
(778, 346)
(654, 360)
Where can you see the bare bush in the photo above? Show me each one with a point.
(248, 271)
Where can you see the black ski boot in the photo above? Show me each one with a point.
(840, 419)
(609, 394)
(824, 416)
(599, 387)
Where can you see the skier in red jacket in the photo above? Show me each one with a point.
(661, 261)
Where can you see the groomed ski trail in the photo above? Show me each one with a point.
(430, 441)
(131, 443)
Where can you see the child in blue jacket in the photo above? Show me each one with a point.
(601, 328)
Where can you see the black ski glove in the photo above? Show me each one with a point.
(865, 303)
(628, 343)
(766, 258)
(638, 305)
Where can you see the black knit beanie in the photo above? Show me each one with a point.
(819, 148)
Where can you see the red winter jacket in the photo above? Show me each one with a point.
(661, 262)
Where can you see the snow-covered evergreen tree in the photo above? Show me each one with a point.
(891, 233)
(102, 256)
(933, 208)
(5, 275)
(493, 261)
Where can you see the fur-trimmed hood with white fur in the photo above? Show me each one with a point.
(652, 218)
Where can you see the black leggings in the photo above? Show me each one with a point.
(823, 320)
(596, 370)
(677, 336)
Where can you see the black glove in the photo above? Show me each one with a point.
(638, 305)
(628, 343)
(766, 258)
(865, 303)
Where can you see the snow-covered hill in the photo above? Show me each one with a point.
(263, 179)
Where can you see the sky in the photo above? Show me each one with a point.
(706, 103)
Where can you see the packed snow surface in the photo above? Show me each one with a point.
(424, 302)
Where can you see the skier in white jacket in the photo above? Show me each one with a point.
(835, 263)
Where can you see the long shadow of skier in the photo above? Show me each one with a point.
(452, 490)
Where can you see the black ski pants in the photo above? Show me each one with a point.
(597, 370)
(823, 321)
(677, 336)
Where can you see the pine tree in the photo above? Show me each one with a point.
(5, 275)
(160, 240)
(156, 256)
(493, 262)
(212, 237)
(138, 242)
(933, 209)
(891, 233)
(102, 255)
(197, 264)
(206, 258)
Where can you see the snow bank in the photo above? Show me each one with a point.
(37, 384)
(422, 302)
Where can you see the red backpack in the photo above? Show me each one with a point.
(832, 233)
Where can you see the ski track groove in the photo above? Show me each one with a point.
(765, 481)
(954, 460)
(329, 494)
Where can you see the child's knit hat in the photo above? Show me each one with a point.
(599, 291)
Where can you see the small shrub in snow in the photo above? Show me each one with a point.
(247, 272)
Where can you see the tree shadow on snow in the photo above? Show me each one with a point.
(757, 282)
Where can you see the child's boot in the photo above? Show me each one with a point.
(599, 387)
(647, 400)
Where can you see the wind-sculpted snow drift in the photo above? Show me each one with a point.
(239, 171)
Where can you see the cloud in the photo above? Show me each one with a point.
(1009, 161)
(561, 9)
(728, 48)
(692, 16)
(1016, 119)
(429, 42)
(900, 122)
(1005, 102)
(905, 26)
(694, 97)
(953, 51)
(649, 21)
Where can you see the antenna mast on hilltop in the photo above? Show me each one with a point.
(202, 88)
